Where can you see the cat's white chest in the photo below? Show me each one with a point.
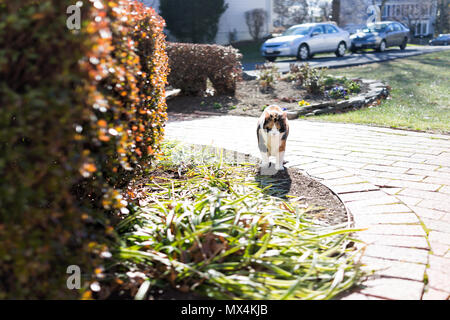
(272, 140)
(273, 143)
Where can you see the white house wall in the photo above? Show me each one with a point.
(233, 20)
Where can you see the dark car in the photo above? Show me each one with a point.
(441, 40)
(379, 36)
(353, 28)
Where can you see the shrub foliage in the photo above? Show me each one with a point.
(81, 113)
(218, 63)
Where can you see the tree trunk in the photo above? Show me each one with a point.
(336, 11)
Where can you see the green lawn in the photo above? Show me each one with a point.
(420, 96)
(250, 51)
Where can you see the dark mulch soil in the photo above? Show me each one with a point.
(249, 101)
(330, 209)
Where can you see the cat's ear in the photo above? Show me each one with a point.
(284, 115)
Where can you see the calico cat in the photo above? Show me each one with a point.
(272, 132)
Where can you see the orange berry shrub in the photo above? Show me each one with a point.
(81, 113)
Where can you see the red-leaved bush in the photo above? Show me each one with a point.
(192, 64)
(82, 112)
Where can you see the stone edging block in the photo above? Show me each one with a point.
(377, 90)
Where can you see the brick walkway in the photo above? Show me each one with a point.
(395, 183)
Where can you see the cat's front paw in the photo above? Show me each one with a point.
(265, 165)
(280, 167)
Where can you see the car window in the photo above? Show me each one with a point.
(376, 27)
(302, 31)
(397, 27)
(297, 31)
(330, 29)
(318, 29)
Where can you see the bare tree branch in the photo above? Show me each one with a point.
(291, 11)
(255, 20)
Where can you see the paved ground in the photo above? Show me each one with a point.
(331, 61)
(396, 183)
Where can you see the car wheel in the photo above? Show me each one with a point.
(271, 59)
(382, 46)
(340, 51)
(404, 43)
(303, 52)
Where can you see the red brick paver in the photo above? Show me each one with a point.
(395, 183)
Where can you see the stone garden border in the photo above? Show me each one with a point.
(377, 90)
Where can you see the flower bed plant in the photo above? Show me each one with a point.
(268, 75)
(338, 92)
(211, 229)
(312, 79)
(341, 88)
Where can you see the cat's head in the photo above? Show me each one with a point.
(275, 120)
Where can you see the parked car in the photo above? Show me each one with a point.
(304, 40)
(353, 28)
(380, 35)
(441, 40)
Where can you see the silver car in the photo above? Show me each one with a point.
(304, 40)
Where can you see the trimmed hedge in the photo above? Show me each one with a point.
(81, 114)
(192, 64)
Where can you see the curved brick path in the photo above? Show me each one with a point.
(395, 183)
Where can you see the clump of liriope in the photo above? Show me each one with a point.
(268, 75)
(312, 79)
(218, 233)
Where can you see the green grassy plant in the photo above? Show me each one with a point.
(218, 232)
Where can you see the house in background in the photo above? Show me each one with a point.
(418, 15)
(232, 24)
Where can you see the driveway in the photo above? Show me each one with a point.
(395, 183)
(331, 61)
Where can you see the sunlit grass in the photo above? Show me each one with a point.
(420, 96)
(218, 233)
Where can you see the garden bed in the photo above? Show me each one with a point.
(253, 95)
(288, 184)
(205, 228)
